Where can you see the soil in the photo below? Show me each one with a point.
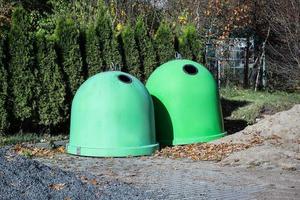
(280, 142)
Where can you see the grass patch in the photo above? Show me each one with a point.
(28, 137)
(255, 104)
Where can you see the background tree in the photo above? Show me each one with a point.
(23, 79)
(164, 43)
(283, 44)
(51, 101)
(131, 51)
(145, 48)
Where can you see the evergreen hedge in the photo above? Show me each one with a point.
(190, 43)
(131, 52)
(67, 36)
(164, 43)
(46, 60)
(108, 41)
(93, 51)
(3, 87)
(145, 48)
(52, 93)
(22, 65)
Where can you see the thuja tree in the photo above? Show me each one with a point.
(114, 59)
(145, 47)
(107, 38)
(67, 37)
(3, 87)
(23, 80)
(51, 101)
(131, 51)
(190, 43)
(164, 43)
(93, 52)
(183, 44)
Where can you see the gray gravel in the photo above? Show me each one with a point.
(22, 178)
(186, 179)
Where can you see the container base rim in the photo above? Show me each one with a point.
(192, 140)
(111, 152)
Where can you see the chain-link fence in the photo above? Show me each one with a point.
(232, 61)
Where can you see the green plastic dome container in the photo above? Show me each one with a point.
(186, 103)
(112, 116)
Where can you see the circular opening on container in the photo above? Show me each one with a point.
(124, 78)
(190, 69)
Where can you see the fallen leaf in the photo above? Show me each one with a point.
(93, 182)
(38, 152)
(58, 186)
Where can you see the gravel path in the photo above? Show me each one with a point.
(187, 179)
(268, 169)
(22, 178)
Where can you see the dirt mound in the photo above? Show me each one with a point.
(272, 142)
(280, 134)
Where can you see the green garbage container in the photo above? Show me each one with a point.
(186, 103)
(112, 116)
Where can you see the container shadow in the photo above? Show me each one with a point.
(233, 125)
(163, 123)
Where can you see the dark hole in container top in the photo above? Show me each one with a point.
(190, 69)
(124, 78)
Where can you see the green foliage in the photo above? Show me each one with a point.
(67, 36)
(107, 39)
(3, 88)
(145, 46)
(131, 52)
(51, 102)
(23, 80)
(92, 47)
(164, 43)
(255, 104)
(190, 44)
(81, 11)
(114, 58)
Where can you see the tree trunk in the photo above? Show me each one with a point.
(246, 66)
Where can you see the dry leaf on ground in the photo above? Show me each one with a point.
(207, 151)
(58, 186)
(37, 152)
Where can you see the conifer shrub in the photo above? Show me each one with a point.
(93, 53)
(109, 46)
(67, 37)
(145, 48)
(52, 93)
(131, 52)
(164, 43)
(3, 87)
(190, 43)
(22, 65)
